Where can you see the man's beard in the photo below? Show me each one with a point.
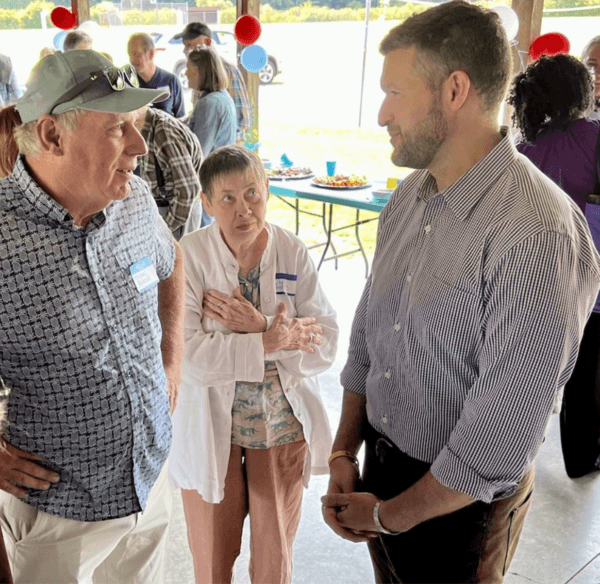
(419, 145)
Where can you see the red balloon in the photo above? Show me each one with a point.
(247, 29)
(550, 43)
(63, 18)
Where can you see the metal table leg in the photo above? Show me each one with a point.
(328, 232)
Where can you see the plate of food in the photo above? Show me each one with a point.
(293, 173)
(341, 181)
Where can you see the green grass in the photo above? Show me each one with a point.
(357, 152)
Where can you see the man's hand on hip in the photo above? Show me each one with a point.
(17, 470)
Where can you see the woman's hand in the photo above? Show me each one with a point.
(291, 333)
(233, 312)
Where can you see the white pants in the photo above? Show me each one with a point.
(46, 549)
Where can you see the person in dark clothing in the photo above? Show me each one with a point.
(141, 55)
(551, 101)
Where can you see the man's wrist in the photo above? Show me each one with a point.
(342, 454)
(377, 520)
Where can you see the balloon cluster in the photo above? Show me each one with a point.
(247, 30)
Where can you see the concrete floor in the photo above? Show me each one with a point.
(561, 538)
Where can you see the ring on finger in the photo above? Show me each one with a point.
(220, 304)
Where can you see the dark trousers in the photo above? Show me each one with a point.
(474, 544)
(580, 413)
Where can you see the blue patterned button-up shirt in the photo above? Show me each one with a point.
(80, 347)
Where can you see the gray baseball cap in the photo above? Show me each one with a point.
(61, 82)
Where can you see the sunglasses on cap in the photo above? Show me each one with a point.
(4, 390)
(117, 79)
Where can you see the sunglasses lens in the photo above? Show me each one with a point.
(115, 78)
(130, 75)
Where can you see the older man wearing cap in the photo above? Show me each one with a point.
(92, 295)
(197, 34)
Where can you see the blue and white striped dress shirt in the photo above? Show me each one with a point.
(470, 323)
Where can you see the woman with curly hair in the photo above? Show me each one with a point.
(551, 99)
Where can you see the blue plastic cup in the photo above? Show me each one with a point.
(331, 167)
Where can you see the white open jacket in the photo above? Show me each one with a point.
(215, 357)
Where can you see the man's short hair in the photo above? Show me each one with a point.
(455, 36)
(75, 38)
(587, 51)
(26, 138)
(146, 40)
(229, 160)
(213, 76)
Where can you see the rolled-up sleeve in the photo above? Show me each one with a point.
(538, 298)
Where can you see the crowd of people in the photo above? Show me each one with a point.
(158, 332)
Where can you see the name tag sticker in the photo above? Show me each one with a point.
(285, 284)
(144, 274)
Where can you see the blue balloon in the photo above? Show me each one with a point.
(59, 39)
(254, 58)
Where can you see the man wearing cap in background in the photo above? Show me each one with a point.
(197, 34)
(140, 49)
(91, 284)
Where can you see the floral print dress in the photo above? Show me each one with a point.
(262, 415)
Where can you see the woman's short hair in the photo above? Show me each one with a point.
(589, 48)
(229, 160)
(550, 94)
(455, 36)
(212, 73)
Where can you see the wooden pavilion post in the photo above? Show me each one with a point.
(81, 9)
(530, 26)
(252, 82)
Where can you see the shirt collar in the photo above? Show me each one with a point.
(42, 202)
(462, 196)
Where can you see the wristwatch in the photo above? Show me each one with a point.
(381, 528)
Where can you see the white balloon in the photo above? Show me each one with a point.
(510, 20)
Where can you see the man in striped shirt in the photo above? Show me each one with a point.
(484, 276)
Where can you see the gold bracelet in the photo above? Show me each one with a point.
(345, 453)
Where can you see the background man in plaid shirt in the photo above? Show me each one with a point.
(171, 169)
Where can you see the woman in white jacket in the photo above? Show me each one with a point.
(250, 425)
